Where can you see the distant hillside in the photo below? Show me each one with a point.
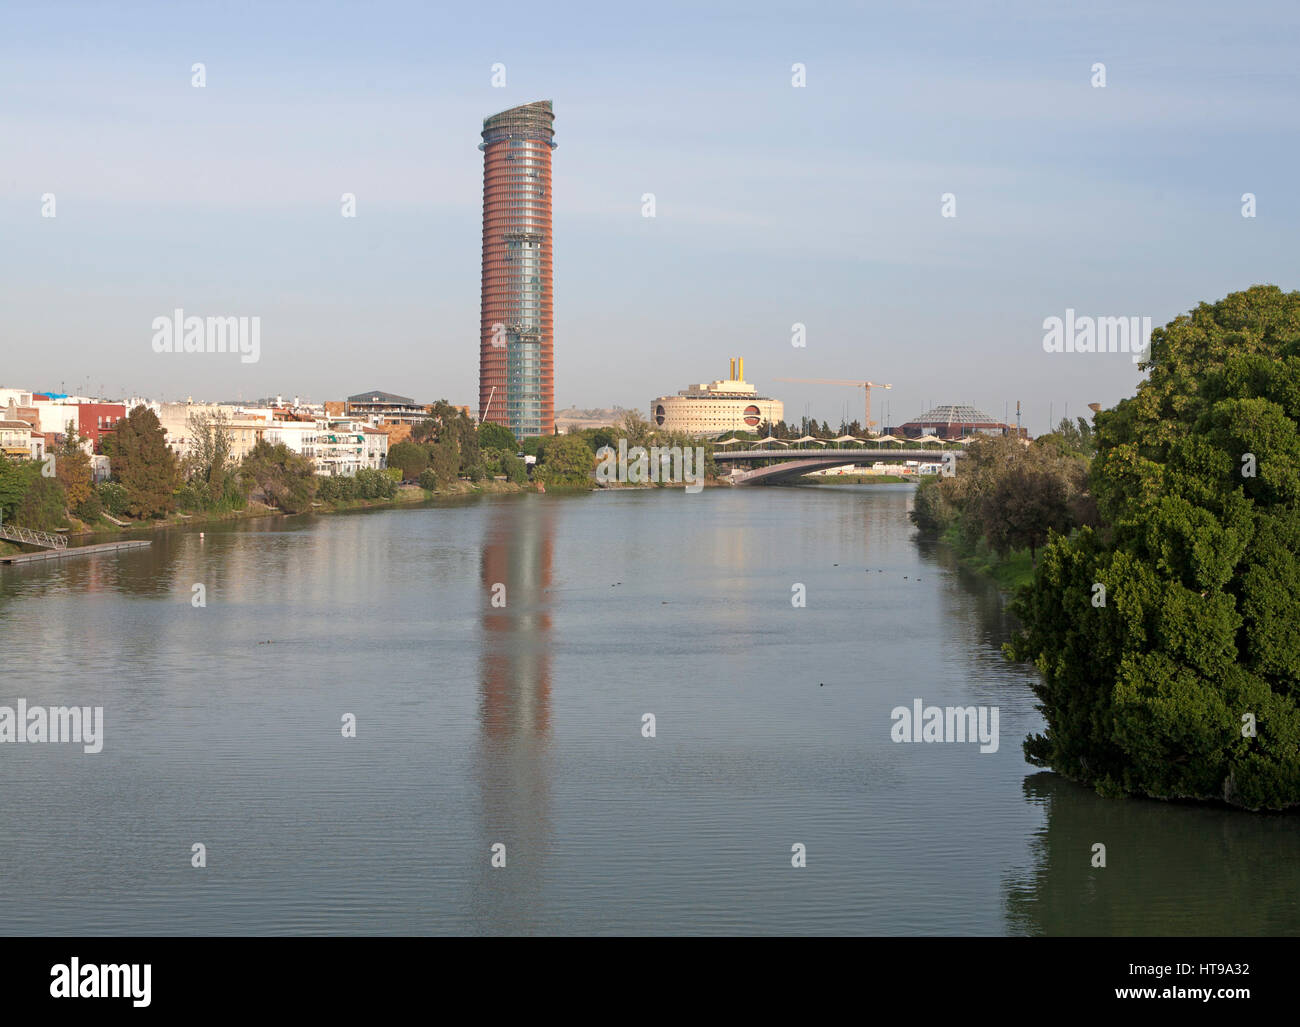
(590, 417)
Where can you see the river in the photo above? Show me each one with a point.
(522, 724)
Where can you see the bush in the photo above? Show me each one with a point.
(372, 484)
(514, 468)
(90, 510)
(113, 498)
(44, 506)
(408, 459)
(336, 488)
(192, 497)
(428, 479)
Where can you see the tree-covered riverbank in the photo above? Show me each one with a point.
(1167, 634)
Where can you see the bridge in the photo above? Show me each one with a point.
(32, 537)
(794, 461)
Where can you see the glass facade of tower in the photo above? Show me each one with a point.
(516, 341)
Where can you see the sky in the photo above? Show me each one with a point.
(775, 205)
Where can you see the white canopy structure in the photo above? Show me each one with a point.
(847, 438)
(927, 438)
(810, 438)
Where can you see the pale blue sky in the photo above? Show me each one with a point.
(775, 205)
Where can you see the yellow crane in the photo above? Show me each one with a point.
(866, 387)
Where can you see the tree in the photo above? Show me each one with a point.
(496, 438)
(15, 479)
(515, 470)
(633, 427)
(467, 441)
(44, 505)
(210, 461)
(445, 460)
(286, 480)
(565, 460)
(1182, 678)
(1072, 437)
(143, 464)
(72, 467)
(1026, 505)
(410, 458)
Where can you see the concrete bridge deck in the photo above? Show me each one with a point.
(792, 461)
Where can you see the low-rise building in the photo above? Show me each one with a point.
(715, 407)
(385, 408)
(18, 441)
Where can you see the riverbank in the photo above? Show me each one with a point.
(405, 495)
(1010, 571)
(856, 479)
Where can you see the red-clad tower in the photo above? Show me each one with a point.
(516, 382)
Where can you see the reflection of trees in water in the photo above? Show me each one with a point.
(1177, 869)
(515, 709)
(979, 595)
(146, 572)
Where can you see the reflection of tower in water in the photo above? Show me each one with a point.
(515, 699)
(516, 658)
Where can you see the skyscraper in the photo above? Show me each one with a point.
(516, 385)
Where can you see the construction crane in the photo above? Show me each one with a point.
(866, 387)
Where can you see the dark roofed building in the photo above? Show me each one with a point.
(381, 407)
(951, 421)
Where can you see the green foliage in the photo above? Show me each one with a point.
(368, 483)
(467, 441)
(409, 458)
(143, 464)
(90, 510)
(285, 479)
(497, 438)
(1077, 438)
(445, 461)
(113, 497)
(565, 460)
(44, 505)
(428, 480)
(373, 484)
(209, 467)
(15, 479)
(515, 470)
(1200, 560)
(1010, 495)
(933, 508)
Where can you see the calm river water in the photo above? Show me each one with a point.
(522, 725)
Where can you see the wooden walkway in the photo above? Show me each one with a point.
(60, 554)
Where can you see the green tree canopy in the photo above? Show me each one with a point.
(1182, 678)
(565, 460)
(142, 463)
(496, 438)
(410, 458)
(287, 480)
